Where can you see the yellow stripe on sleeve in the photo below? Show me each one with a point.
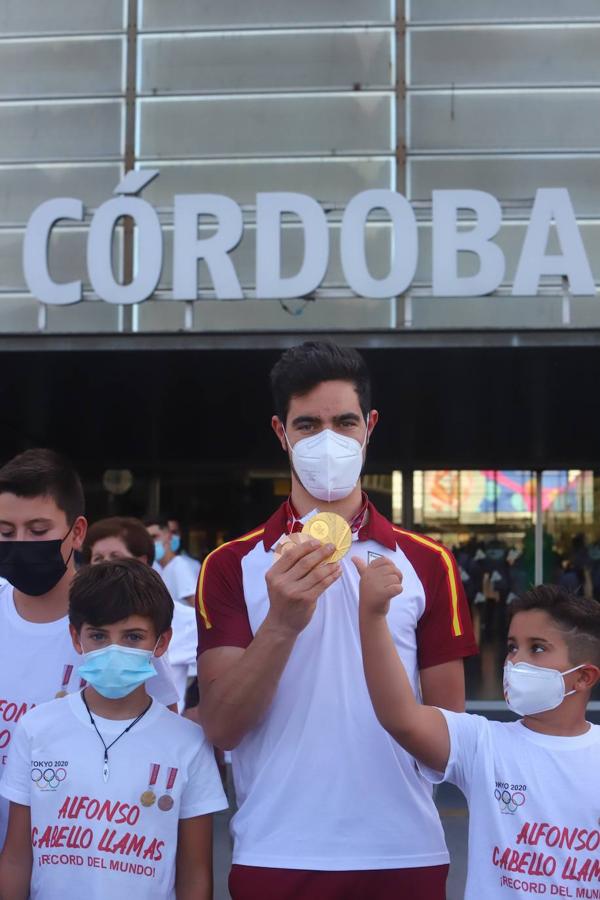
(200, 589)
(457, 629)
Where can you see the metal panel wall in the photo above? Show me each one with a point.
(236, 98)
(502, 97)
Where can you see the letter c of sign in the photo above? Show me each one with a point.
(35, 251)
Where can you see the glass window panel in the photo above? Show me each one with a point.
(505, 56)
(378, 241)
(61, 68)
(509, 121)
(23, 188)
(60, 131)
(335, 180)
(329, 125)
(491, 10)
(510, 239)
(18, 313)
(160, 16)
(510, 179)
(487, 312)
(90, 315)
(255, 62)
(61, 16)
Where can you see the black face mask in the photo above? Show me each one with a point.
(33, 567)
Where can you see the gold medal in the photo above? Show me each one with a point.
(61, 694)
(329, 528)
(148, 798)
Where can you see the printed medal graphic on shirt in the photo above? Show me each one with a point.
(67, 672)
(510, 797)
(165, 803)
(48, 775)
(149, 797)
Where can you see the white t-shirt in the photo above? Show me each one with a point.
(180, 578)
(37, 662)
(94, 839)
(534, 808)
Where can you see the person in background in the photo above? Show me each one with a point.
(122, 537)
(118, 537)
(180, 578)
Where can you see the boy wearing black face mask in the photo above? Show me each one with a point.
(533, 786)
(41, 526)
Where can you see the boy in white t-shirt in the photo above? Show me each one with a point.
(533, 786)
(42, 526)
(110, 793)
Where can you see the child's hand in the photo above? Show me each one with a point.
(379, 582)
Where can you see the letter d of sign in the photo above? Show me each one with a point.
(149, 250)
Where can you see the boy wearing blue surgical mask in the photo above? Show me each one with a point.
(533, 786)
(111, 793)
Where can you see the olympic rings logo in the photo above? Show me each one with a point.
(509, 803)
(48, 779)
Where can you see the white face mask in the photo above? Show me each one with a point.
(534, 689)
(328, 464)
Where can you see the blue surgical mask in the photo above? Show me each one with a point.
(159, 551)
(116, 671)
(175, 543)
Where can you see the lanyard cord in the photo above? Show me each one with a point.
(105, 768)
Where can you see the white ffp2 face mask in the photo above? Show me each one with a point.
(534, 689)
(328, 464)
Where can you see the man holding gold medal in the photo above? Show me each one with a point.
(329, 806)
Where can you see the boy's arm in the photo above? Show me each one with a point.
(421, 730)
(194, 877)
(16, 858)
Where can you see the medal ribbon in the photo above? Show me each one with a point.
(154, 770)
(171, 778)
(67, 672)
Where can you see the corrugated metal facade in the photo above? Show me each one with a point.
(324, 97)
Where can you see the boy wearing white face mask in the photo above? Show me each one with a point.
(110, 793)
(533, 786)
(329, 807)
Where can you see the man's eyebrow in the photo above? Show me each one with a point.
(347, 415)
(38, 521)
(305, 420)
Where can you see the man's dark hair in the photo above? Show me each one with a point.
(131, 531)
(577, 617)
(115, 589)
(44, 473)
(302, 368)
(159, 520)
